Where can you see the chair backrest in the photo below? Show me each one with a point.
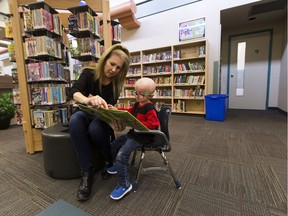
(164, 115)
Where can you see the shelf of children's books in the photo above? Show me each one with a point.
(189, 98)
(188, 72)
(190, 58)
(186, 84)
(47, 81)
(84, 33)
(157, 62)
(80, 9)
(86, 58)
(135, 64)
(41, 58)
(158, 74)
(133, 75)
(41, 32)
(163, 85)
(39, 5)
(162, 98)
(49, 105)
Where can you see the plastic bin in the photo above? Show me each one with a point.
(216, 106)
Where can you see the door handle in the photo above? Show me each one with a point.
(232, 75)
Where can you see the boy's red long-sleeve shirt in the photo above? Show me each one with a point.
(146, 114)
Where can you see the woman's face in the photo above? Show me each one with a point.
(113, 66)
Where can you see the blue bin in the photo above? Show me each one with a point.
(216, 106)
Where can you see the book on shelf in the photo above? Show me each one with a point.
(11, 52)
(8, 29)
(110, 115)
(28, 20)
(42, 19)
(14, 75)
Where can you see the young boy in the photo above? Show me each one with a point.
(124, 145)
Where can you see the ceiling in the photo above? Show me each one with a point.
(255, 13)
(249, 14)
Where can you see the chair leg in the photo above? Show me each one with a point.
(176, 181)
(133, 158)
(136, 183)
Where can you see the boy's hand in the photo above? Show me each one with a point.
(111, 107)
(118, 125)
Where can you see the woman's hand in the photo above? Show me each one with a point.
(96, 101)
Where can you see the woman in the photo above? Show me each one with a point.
(98, 87)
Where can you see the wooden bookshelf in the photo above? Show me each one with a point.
(180, 74)
(33, 138)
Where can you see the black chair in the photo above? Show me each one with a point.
(161, 144)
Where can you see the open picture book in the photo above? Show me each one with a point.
(110, 115)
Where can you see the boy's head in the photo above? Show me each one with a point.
(144, 88)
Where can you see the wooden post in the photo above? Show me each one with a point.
(24, 98)
(106, 24)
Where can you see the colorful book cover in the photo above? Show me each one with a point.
(110, 115)
(34, 71)
(36, 95)
(30, 45)
(39, 118)
(28, 20)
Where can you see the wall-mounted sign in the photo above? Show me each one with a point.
(192, 29)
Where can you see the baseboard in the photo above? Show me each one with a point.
(278, 109)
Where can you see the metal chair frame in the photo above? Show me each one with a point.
(161, 144)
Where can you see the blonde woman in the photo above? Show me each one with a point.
(98, 86)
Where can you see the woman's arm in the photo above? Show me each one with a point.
(90, 100)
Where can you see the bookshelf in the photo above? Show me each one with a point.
(32, 135)
(11, 53)
(180, 74)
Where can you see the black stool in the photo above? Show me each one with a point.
(60, 160)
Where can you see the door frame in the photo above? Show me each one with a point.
(270, 31)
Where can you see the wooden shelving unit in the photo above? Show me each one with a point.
(179, 71)
(33, 137)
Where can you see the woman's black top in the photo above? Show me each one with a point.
(87, 85)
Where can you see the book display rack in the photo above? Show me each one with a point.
(41, 57)
(45, 55)
(84, 26)
(179, 71)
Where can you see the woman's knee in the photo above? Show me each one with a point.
(78, 119)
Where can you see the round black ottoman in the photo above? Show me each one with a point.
(60, 160)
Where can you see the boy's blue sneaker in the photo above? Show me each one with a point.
(112, 170)
(120, 191)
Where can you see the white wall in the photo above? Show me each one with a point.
(162, 29)
(282, 99)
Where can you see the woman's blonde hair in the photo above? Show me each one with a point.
(118, 80)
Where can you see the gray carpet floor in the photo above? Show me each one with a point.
(235, 167)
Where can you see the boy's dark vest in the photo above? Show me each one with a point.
(141, 138)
